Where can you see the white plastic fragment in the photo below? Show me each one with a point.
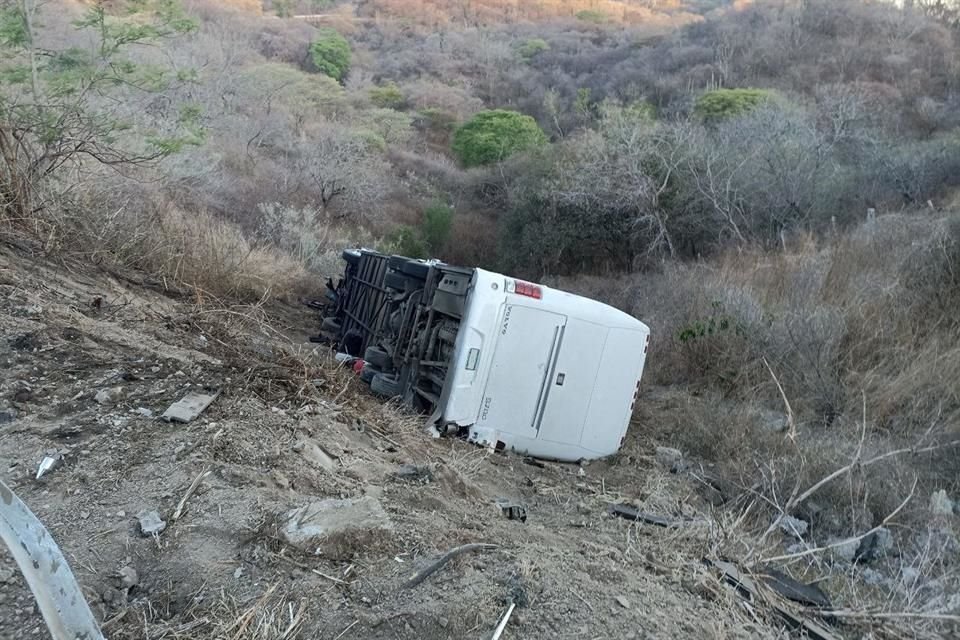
(49, 463)
(189, 407)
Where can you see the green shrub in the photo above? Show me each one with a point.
(720, 104)
(330, 54)
(437, 119)
(437, 222)
(388, 96)
(426, 239)
(491, 136)
(592, 15)
(641, 109)
(531, 48)
(407, 241)
(283, 8)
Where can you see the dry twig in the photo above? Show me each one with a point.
(190, 491)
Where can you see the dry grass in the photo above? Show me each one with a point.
(211, 255)
(123, 224)
(861, 332)
(268, 615)
(864, 320)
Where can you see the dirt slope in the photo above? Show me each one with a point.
(222, 570)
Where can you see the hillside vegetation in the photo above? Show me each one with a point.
(771, 185)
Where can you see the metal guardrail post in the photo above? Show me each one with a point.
(58, 596)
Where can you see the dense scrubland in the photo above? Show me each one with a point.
(771, 185)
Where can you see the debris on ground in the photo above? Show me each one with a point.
(48, 464)
(436, 565)
(189, 407)
(512, 510)
(806, 594)
(750, 590)
(628, 512)
(414, 473)
(305, 526)
(7, 416)
(108, 396)
(151, 524)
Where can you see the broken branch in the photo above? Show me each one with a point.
(190, 491)
(310, 569)
(859, 538)
(444, 559)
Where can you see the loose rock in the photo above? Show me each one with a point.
(280, 479)
(128, 577)
(414, 473)
(877, 545)
(103, 397)
(774, 421)
(941, 504)
(327, 517)
(794, 527)
(623, 602)
(151, 523)
(669, 457)
(26, 342)
(909, 576)
(845, 551)
(873, 577)
(313, 452)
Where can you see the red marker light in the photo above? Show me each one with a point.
(528, 289)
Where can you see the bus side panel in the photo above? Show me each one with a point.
(611, 406)
(520, 369)
(571, 384)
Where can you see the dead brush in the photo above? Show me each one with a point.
(272, 614)
(269, 616)
(891, 613)
(467, 460)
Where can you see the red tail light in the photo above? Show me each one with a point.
(527, 289)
